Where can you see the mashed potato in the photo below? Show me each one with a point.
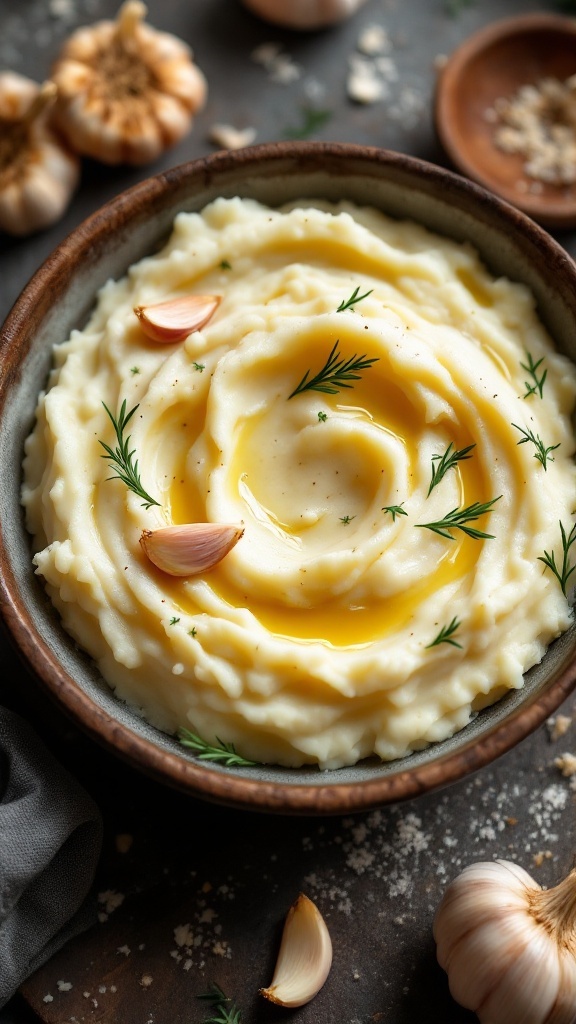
(355, 616)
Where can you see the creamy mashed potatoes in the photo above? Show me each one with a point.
(342, 624)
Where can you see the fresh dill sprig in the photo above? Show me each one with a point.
(538, 382)
(445, 462)
(446, 635)
(224, 753)
(226, 1014)
(346, 519)
(354, 298)
(457, 519)
(335, 374)
(395, 510)
(565, 571)
(311, 120)
(542, 453)
(122, 458)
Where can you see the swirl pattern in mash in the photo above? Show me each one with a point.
(313, 641)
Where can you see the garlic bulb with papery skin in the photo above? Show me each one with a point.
(304, 14)
(126, 91)
(38, 173)
(509, 946)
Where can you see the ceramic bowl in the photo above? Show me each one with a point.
(59, 298)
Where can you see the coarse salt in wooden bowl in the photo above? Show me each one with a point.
(491, 66)
(59, 298)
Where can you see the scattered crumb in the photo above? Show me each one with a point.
(146, 980)
(228, 137)
(48, 998)
(558, 726)
(373, 40)
(567, 765)
(125, 950)
(540, 857)
(64, 986)
(123, 842)
(183, 935)
(279, 65)
(110, 900)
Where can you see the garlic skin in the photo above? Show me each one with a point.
(304, 14)
(126, 91)
(190, 549)
(173, 320)
(305, 956)
(38, 173)
(508, 946)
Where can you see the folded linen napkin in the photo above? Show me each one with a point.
(50, 842)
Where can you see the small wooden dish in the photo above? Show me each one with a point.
(493, 63)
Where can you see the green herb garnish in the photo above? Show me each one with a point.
(224, 753)
(532, 369)
(394, 510)
(541, 453)
(174, 620)
(122, 458)
(311, 120)
(457, 519)
(226, 1014)
(193, 631)
(134, 370)
(446, 635)
(346, 519)
(199, 366)
(442, 463)
(225, 265)
(335, 374)
(354, 298)
(322, 416)
(563, 573)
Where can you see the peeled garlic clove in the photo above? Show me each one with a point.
(126, 91)
(190, 549)
(172, 321)
(305, 956)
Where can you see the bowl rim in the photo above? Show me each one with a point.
(558, 213)
(192, 776)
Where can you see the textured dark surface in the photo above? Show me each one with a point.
(231, 876)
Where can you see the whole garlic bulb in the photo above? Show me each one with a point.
(304, 14)
(126, 91)
(509, 946)
(38, 174)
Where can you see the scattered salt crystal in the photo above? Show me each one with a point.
(64, 986)
(48, 998)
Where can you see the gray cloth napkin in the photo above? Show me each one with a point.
(50, 842)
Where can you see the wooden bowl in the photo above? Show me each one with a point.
(492, 64)
(59, 298)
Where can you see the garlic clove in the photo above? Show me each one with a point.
(305, 956)
(191, 548)
(172, 321)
